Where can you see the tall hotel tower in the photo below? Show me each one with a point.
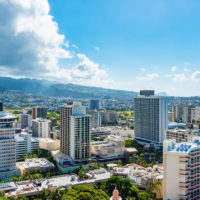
(181, 170)
(75, 132)
(7, 146)
(151, 117)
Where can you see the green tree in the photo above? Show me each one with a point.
(145, 196)
(123, 185)
(119, 163)
(85, 192)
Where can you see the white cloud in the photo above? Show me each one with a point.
(148, 77)
(85, 72)
(75, 46)
(31, 46)
(143, 69)
(195, 76)
(97, 48)
(173, 68)
(186, 70)
(66, 44)
(180, 77)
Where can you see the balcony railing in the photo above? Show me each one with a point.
(183, 196)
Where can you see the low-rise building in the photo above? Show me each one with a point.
(49, 144)
(34, 164)
(30, 188)
(182, 135)
(138, 174)
(112, 146)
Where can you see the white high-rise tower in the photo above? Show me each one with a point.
(151, 117)
(7, 146)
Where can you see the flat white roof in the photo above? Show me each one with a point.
(35, 163)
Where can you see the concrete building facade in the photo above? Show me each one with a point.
(94, 104)
(151, 118)
(41, 128)
(7, 146)
(39, 112)
(181, 170)
(111, 147)
(75, 132)
(25, 121)
(25, 144)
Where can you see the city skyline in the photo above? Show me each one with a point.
(132, 46)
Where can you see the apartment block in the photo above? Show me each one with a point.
(25, 121)
(151, 117)
(94, 104)
(7, 146)
(195, 115)
(39, 112)
(25, 144)
(75, 133)
(181, 170)
(41, 128)
(111, 147)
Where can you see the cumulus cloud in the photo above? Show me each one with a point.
(195, 76)
(173, 68)
(31, 45)
(148, 77)
(29, 38)
(85, 72)
(180, 77)
(75, 46)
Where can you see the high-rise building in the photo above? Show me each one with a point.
(181, 169)
(151, 117)
(41, 127)
(94, 104)
(7, 146)
(187, 112)
(25, 121)
(39, 112)
(75, 131)
(195, 115)
(25, 144)
(171, 116)
(178, 111)
(95, 118)
(1, 106)
(109, 116)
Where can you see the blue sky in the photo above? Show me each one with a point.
(136, 39)
(119, 44)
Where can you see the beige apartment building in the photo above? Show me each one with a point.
(75, 131)
(181, 170)
(112, 146)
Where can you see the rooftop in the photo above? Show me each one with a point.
(35, 163)
(29, 187)
(5, 115)
(183, 147)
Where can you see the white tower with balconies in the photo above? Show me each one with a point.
(181, 169)
(7, 146)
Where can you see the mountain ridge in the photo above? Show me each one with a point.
(52, 89)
